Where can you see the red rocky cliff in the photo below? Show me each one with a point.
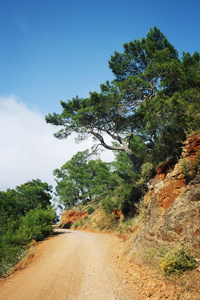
(69, 217)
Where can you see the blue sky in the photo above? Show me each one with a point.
(54, 50)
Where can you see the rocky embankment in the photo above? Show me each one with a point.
(173, 203)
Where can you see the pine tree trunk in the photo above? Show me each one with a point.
(132, 157)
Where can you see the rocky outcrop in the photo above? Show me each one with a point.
(69, 217)
(173, 203)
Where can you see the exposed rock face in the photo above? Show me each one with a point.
(173, 214)
(69, 217)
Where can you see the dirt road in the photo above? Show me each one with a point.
(75, 265)
(71, 265)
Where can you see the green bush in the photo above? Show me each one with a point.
(130, 195)
(11, 251)
(108, 205)
(16, 235)
(189, 168)
(90, 210)
(125, 206)
(37, 224)
(178, 261)
(147, 170)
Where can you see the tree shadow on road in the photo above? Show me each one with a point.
(58, 231)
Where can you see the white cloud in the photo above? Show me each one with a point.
(28, 149)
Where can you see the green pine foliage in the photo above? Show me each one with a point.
(147, 109)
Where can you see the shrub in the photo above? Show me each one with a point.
(178, 261)
(143, 206)
(11, 250)
(108, 205)
(189, 168)
(90, 210)
(37, 224)
(17, 230)
(130, 195)
(147, 171)
(125, 206)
